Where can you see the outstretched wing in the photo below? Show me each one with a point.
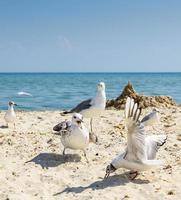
(63, 126)
(136, 147)
(153, 143)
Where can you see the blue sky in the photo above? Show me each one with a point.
(90, 35)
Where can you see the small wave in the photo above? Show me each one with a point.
(24, 94)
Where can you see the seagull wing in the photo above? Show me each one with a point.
(82, 106)
(63, 126)
(147, 117)
(154, 142)
(136, 146)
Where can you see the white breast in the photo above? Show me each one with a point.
(98, 105)
(10, 116)
(76, 138)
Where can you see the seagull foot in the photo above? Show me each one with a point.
(133, 175)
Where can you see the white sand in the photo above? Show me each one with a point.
(51, 176)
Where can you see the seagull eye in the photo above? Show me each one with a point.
(74, 117)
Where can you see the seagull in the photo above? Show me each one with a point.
(141, 149)
(92, 107)
(74, 135)
(151, 119)
(24, 94)
(10, 115)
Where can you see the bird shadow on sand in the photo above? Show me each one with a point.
(112, 181)
(47, 160)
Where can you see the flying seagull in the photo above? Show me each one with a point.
(141, 149)
(74, 134)
(92, 107)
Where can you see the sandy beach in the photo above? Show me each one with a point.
(32, 165)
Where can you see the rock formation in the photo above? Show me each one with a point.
(144, 101)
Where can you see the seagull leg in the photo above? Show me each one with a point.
(14, 126)
(86, 156)
(64, 151)
(135, 174)
(91, 124)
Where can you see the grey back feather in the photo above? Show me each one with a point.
(147, 117)
(82, 106)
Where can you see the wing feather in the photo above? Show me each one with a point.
(127, 107)
(154, 142)
(136, 147)
(63, 126)
(82, 106)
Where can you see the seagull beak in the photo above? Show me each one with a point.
(80, 121)
(15, 104)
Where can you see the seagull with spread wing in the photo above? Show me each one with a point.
(92, 107)
(74, 134)
(141, 149)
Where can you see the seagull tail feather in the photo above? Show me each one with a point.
(66, 112)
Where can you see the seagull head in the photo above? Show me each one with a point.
(11, 103)
(109, 169)
(101, 86)
(77, 118)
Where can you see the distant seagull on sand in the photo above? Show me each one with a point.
(74, 135)
(141, 149)
(92, 107)
(151, 119)
(10, 115)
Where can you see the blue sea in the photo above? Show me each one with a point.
(58, 91)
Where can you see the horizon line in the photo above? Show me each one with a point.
(52, 72)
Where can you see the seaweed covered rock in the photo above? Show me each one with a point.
(144, 101)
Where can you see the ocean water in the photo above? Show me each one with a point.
(53, 91)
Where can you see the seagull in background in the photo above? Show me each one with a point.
(141, 149)
(10, 115)
(92, 107)
(151, 119)
(74, 134)
(24, 94)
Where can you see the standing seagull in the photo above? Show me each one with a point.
(74, 135)
(92, 107)
(151, 119)
(10, 115)
(141, 149)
